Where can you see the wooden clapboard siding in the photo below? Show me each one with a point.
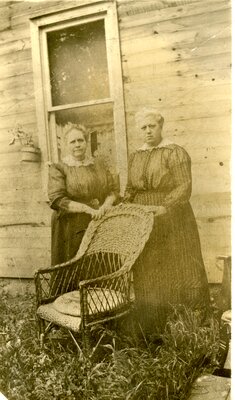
(36, 233)
(16, 45)
(21, 181)
(16, 69)
(211, 206)
(24, 214)
(176, 56)
(5, 16)
(139, 75)
(176, 67)
(211, 141)
(205, 155)
(18, 106)
(19, 81)
(211, 176)
(172, 54)
(183, 94)
(11, 35)
(9, 121)
(160, 28)
(28, 8)
(24, 195)
(23, 261)
(189, 34)
(187, 14)
(10, 95)
(22, 170)
(183, 110)
(11, 58)
(32, 242)
(179, 60)
(20, 13)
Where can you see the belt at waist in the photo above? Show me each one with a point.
(149, 197)
(152, 191)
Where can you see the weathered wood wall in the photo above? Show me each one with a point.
(175, 55)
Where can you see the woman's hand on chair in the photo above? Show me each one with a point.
(101, 211)
(160, 210)
(108, 203)
(157, 210)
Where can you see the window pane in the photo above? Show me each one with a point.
(98, 120)
(78, 63)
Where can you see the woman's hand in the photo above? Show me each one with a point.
(76, 207)
(89, 210)
(157, 210)
(104, 208)
(160, 210)
(101, 211)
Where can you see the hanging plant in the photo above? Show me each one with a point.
(29, 152)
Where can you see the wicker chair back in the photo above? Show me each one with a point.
(122, 231)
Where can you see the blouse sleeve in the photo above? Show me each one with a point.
(180, 169)
(57, 192)
(129, 191)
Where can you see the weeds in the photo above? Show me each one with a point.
(119, 371)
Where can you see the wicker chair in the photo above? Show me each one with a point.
(94, 286)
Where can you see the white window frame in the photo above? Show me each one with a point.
(39, 26)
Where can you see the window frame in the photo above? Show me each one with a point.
(84, 13)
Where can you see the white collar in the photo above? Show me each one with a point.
(164, 142)
(71, 162)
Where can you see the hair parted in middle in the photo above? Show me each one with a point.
(81, 128)
(146, 111)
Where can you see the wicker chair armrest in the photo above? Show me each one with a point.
(116, 284)
(53, 281)
(58, 266)
(101, 279)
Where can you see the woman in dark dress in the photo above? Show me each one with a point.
(170, 270)
(79, 189)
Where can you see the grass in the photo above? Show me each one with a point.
(119, 369)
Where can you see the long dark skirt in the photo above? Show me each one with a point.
(67, 233)
(170, 271)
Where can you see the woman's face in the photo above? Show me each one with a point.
(76, 144)
(151, 130)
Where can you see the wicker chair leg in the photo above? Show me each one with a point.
(41, 326)
(42, 340)
(86, 341)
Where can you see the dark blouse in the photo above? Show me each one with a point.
(165, 170)
(88, 184)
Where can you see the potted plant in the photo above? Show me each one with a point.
(29, 152)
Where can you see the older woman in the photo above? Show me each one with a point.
(79, 189)
(170, 270)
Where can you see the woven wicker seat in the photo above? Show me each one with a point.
(94, 286)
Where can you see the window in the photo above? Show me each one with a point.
(78, 79)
